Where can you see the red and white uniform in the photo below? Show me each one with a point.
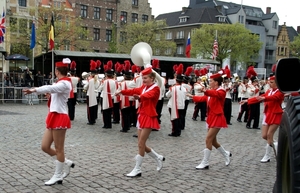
(58, 117)
(176, 95)
(147, 108)
(108, 89)
(215, 99)
(272, 111)
(125, 100)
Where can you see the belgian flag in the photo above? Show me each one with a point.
(51, 34)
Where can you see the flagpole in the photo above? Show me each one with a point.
(52, 78)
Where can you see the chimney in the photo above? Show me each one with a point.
(298, 29)
(184, 9)
(268, 10)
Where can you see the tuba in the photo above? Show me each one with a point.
(141, 54)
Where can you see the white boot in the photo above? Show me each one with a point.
(58, 174)
(158, 158)
(68, 165)
(205, 161)
(137, 169)
(275, 147)
(226, 154)
(267, 156)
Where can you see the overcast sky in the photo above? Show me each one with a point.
(286, 10)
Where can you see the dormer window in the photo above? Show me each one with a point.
(221, 18)
(183, 19)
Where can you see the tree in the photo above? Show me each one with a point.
(151, 32)
(295, 46)
(234, 41)
(67, 33)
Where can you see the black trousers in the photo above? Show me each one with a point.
(133, 115)
(244, 109)
(228, 109)
(254, 113)
(177, 124)
(186, 104)
(107, 117)
(71, 106)
(126, 118)
(91, 112)
(116, 112)
(159, 106)
(202, 108)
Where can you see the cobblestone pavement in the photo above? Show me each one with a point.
(104, 156)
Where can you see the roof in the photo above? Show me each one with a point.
(127, 56)
(198, 15)
(268, 16)
(292, 33)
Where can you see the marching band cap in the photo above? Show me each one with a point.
(146, 71)
(216, 75)
(61, 64)
(272, 78)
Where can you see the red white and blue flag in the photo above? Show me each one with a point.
(2, 26)
(215, 50)
(188, 47)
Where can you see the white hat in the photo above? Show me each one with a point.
(66, 61)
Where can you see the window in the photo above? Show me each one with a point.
(157, 37)
(241, 19)
(180, 49)
(23, 24)
(122, 36)
(221, 19)
(275, 24)
(157, 52)
(108, 35)
(83, 11)
(56, 4)
(96, 34)
(168, 51)
(134, 17)
(180, 35)
(67, 45)
(169, 35)
(182, 19)
(144, 18)
(96, 12)
(23, 3)
(84, 33)
(109, 14)
(123, 17)
(67, 22)
(135, 2)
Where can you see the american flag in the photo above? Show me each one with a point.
(215, 50)
(2, 27)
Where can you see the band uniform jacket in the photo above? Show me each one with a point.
(273, 101)
(215, 100)
(148, 99)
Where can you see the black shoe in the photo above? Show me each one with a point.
(135, 135)
(172, 135)
(202, 119)
(229, 123)
(124, 131)
(154, 130)
(256, 128)
(248, 127)
(104, 127)
(245, 121)
(194, 119)
(239, 120)
(90, 123)
(115, 122)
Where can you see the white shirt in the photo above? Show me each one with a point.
(60, 92)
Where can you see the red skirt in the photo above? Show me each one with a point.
(56, 120)
(216, 121)
(273, 118)
(146, 122)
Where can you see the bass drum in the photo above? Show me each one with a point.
(288, 156)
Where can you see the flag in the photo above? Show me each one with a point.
(188, 47)
(51, 34)
(215, 50)
(32, 38)
(2, 26)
